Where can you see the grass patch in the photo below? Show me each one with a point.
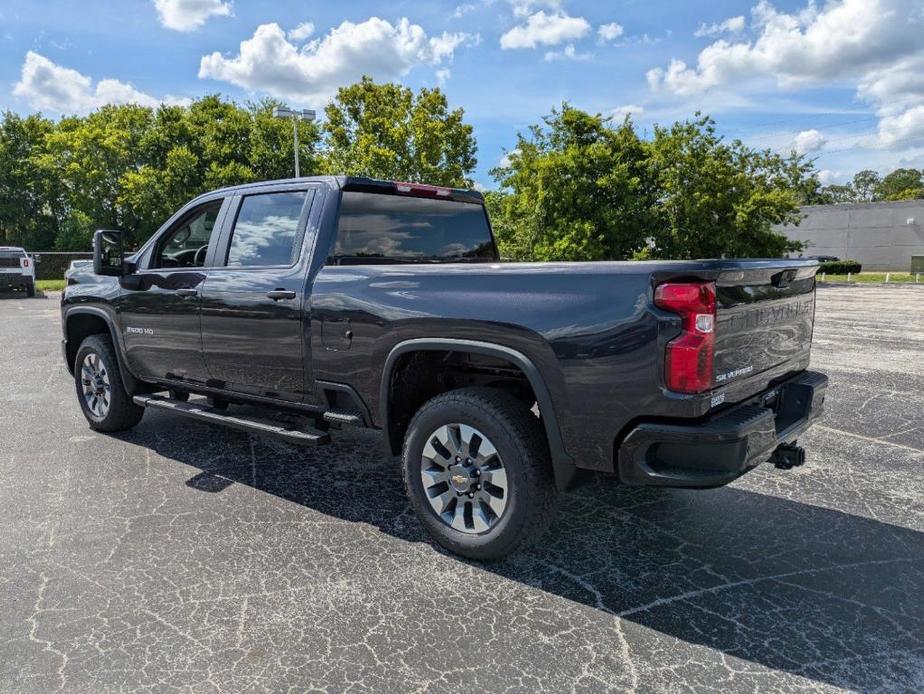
(875, 278)
(50, 285)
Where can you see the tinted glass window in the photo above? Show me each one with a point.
(266, 230)
(185, 245)
(375, 227)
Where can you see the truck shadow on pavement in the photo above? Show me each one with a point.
(803, 589)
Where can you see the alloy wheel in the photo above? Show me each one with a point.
(464, 478)
(97, 391)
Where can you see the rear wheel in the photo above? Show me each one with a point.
(30, 289)
(477, 472)
(102, 396)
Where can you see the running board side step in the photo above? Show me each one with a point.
(343, 417)
(306, 437)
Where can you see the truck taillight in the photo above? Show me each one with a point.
(25, 262)
(688, 357)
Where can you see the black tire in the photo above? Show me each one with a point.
(217, 404)
(520, 442)
(180, 395)
(122, 413)
(30, 290)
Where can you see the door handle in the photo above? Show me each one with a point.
(278, 294)
(187, 292)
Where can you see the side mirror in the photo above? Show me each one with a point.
(107, 253)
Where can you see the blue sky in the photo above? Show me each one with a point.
(842, 80)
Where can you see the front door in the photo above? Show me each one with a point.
(252, 307)
(160, 307)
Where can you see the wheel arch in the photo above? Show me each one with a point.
(80, 323)
(562, 464)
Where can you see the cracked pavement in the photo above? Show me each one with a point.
(181, 557)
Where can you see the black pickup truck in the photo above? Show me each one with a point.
(292, 307)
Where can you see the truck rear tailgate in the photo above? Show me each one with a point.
(764, 322)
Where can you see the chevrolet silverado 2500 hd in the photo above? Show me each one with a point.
(334, 301)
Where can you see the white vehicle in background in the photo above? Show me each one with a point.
(76, 265)
(17, 270)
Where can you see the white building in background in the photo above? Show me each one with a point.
(881, 235)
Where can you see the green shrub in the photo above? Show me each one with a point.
(841, 267)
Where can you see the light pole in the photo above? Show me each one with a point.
(296, 116)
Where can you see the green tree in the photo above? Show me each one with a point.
(719, 199)
(865, 186)
(577, 190)
(25, 217)
(91, 155)
(387, 131)
(578, 187)
(131, 167)
(901, 184)
(840, 193)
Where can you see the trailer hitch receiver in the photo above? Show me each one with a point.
(787, 456)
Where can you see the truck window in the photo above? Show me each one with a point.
(185, 245)
(380, 228)
(10, 257)
(266, 230)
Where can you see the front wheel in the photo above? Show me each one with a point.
(102, 396)
(477, 472)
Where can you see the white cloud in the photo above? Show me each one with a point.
(610, 32)
(506, 160)
(732, 25)
(268, 62)
(443, 75)
(841, 40)
(905, 128)
(826, 177)
(568, 53)
(521, 8)
(301, 32)
(47, 86)
(189, 15)
(808, 141)
(545, 29)
(620, 112)
(464, 9)
(876, 44)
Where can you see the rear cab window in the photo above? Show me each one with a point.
(377, 228)
(11, 257)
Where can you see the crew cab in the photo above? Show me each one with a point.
(289, 308)
(17, 270)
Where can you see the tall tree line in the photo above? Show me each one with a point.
(869, 186)
(129, 167)
(576, 186)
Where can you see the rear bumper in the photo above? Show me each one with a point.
(10, 280)
(718, 450)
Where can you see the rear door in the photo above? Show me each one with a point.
(764, 321)
(252, 306)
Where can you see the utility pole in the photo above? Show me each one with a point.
(295, 116)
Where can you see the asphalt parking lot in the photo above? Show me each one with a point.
(180, 557)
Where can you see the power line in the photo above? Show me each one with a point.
(850, 122)
(795, 119)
